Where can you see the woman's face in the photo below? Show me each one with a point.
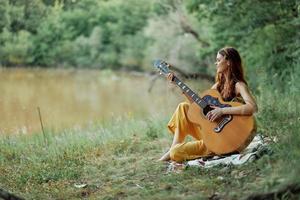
(221, 63)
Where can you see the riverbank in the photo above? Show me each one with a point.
(117, 160)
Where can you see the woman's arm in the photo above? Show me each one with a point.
(248, 108)
(250, 105)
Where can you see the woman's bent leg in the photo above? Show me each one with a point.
(180, 121)
(180, 126)
(176, 140)
(188, 151)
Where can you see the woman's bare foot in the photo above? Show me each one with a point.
(165, 157)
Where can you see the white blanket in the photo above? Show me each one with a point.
(255, 150)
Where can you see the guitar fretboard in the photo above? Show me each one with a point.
(190, 92)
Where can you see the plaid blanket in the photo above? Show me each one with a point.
(257, 148)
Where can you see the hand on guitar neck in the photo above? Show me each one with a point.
(170, 77)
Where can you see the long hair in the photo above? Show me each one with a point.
(234, 73)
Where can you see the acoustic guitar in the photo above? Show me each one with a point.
(225, 135)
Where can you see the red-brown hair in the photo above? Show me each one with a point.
(234, 73)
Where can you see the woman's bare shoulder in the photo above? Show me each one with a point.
(241, 86)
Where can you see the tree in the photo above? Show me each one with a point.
(264, 31)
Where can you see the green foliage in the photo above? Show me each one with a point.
(16, 48)
(152, 131)
(115, 34)
(266, 32)
(4, 15)
(169, 42)
(121, 40)
(59, 29)
(34, 13)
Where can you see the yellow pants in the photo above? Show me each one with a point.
(186, 150)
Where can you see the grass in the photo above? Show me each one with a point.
(117, 160)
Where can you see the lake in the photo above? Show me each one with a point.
(70, 98)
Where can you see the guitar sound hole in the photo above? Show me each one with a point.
(207, 109)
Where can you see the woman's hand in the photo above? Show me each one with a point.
(170, 77)
(214, 114)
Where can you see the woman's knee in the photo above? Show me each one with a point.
(183, 105)
(176, 154)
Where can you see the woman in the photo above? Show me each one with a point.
(231, 84)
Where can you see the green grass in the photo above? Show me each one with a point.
(117, 160)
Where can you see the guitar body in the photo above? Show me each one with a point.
(227, 134)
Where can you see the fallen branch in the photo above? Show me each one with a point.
(152, 82)
(185, 24)
(192, 75)
(187, 28)
(182, 74)
(8, 196)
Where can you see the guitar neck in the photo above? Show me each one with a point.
(190, 92)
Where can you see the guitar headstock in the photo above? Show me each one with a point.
(162, 66)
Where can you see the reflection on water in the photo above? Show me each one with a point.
(75, 98)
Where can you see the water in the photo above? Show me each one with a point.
(78, 98)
